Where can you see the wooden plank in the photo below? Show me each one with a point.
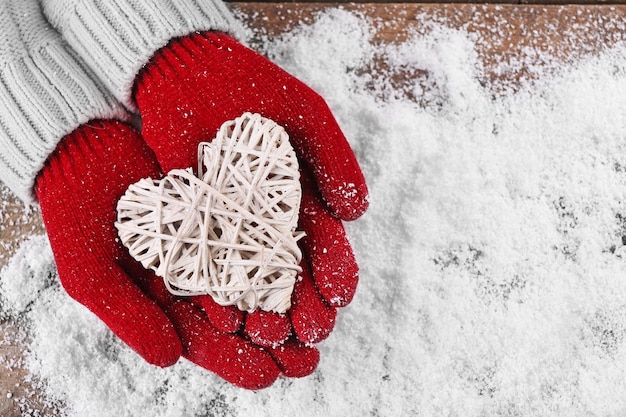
(17, 392)
(17, 222)
(493, 2)
(504, 32)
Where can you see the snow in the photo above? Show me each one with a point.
(492, 255)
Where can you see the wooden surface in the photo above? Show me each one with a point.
(518, 2)
(504, 32)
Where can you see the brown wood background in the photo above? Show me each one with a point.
(524, 2)
(566, 29)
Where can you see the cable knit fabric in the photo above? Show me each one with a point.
(118, 37)
(46, 92)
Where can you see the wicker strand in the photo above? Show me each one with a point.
(230, 231)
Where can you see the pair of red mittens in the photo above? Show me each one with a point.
(186, 92)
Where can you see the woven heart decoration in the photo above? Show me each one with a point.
(230, 230)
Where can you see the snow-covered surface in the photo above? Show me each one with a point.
(493, 262)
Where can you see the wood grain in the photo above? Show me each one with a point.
(504, 33)
(518, 35)
(522, 2)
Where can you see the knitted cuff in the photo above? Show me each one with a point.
(45, 93)
(118, 38)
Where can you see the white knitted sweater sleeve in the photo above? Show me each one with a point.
(118, 37)
(46, 92)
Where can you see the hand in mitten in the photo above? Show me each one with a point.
(51, 144)
(198, 82)
(78, 190)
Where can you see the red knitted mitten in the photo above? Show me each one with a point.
(78, 190)
(195, 84)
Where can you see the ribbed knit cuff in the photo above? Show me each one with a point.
(118, 38)
(46, 92)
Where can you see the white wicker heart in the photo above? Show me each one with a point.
(230, 231)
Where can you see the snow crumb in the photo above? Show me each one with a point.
(492, 255)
